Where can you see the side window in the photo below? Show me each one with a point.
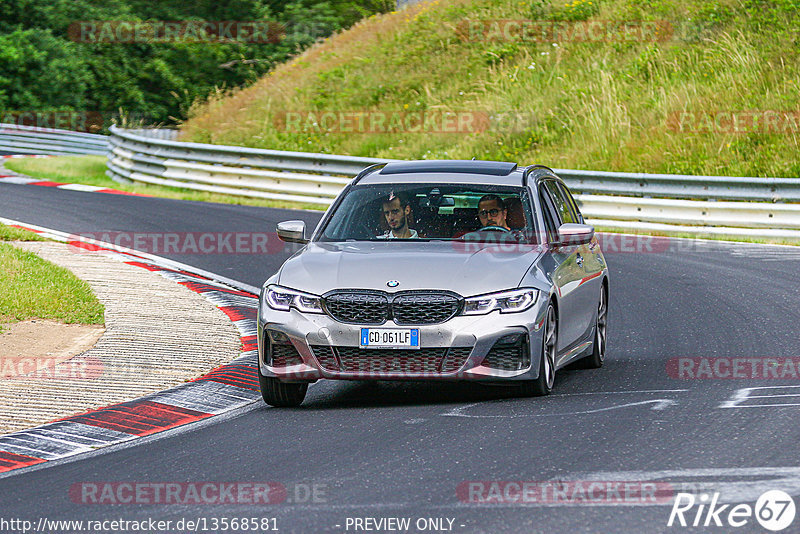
(564, 209)
(549, 214)
(572, 203)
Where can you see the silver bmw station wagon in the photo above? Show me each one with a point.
(445, 270)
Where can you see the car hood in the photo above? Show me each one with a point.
(467, 269)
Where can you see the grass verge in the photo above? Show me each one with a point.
(8, 233)
(91, 170)
(561, 98)
(33, 288)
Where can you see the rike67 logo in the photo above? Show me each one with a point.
(774, 510)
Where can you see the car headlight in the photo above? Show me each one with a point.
(282, 298)
(516, 300)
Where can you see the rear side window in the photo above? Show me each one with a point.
(550, 214)
(568, 196)
(565, 211)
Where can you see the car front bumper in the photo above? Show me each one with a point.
(326, 348)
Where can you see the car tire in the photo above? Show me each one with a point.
(543, 385)
(279, 394)
(598, 355)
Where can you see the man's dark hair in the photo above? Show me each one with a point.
(490, 196)
(401, 195)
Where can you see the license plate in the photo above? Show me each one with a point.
(389, 338)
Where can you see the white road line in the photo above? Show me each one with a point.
(744, 394)
(620, 392)
(659, 404)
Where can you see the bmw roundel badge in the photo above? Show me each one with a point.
(392, 283)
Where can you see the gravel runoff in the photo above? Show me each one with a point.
(158, 335)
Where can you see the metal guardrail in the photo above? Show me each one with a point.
(742, 206)
(271, 174)
(17, 139)
(683, 186)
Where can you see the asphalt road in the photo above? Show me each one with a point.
(411, 450)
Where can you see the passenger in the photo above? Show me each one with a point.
(492, 212)
(397, 213)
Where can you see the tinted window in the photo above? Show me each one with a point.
(563, 207)
(572, 203)
(441, 211)
(549, 214)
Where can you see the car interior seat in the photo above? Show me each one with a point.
(515, 214)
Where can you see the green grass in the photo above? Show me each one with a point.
(599, 105)
(7, 233)
(33, 288)
(91, 170)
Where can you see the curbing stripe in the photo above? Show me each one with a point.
(77, 433)
(18, 180)
(26, 180)
(242, 376)
(222, 298)
(9, 461)
(209, 289)
(239, 313)
(247, 327)
(37, 445)
(143, 265)
(59, 439)
(221, 390)
(250, 343)
(82, 187)
(208, 396)
(46, 183)
(140, 417)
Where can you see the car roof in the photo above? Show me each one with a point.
(450, 171)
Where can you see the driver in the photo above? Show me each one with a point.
(397, 212)
(492, 212)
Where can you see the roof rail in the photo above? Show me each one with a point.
(530, 169)
(494, 168)
(366, 171)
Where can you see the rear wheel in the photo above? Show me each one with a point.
(279, 394)
(543, 385)
(598, 355)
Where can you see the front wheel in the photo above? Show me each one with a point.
(543, 385)
(279, 394)
(598, 355)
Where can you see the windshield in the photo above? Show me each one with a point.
(432, 211)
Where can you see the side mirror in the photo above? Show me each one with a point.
(575, 234)
(292, 231)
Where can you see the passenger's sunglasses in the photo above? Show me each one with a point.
(493, 212)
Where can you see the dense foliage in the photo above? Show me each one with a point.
(43, 68)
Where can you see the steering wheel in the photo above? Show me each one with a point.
(494, 229)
